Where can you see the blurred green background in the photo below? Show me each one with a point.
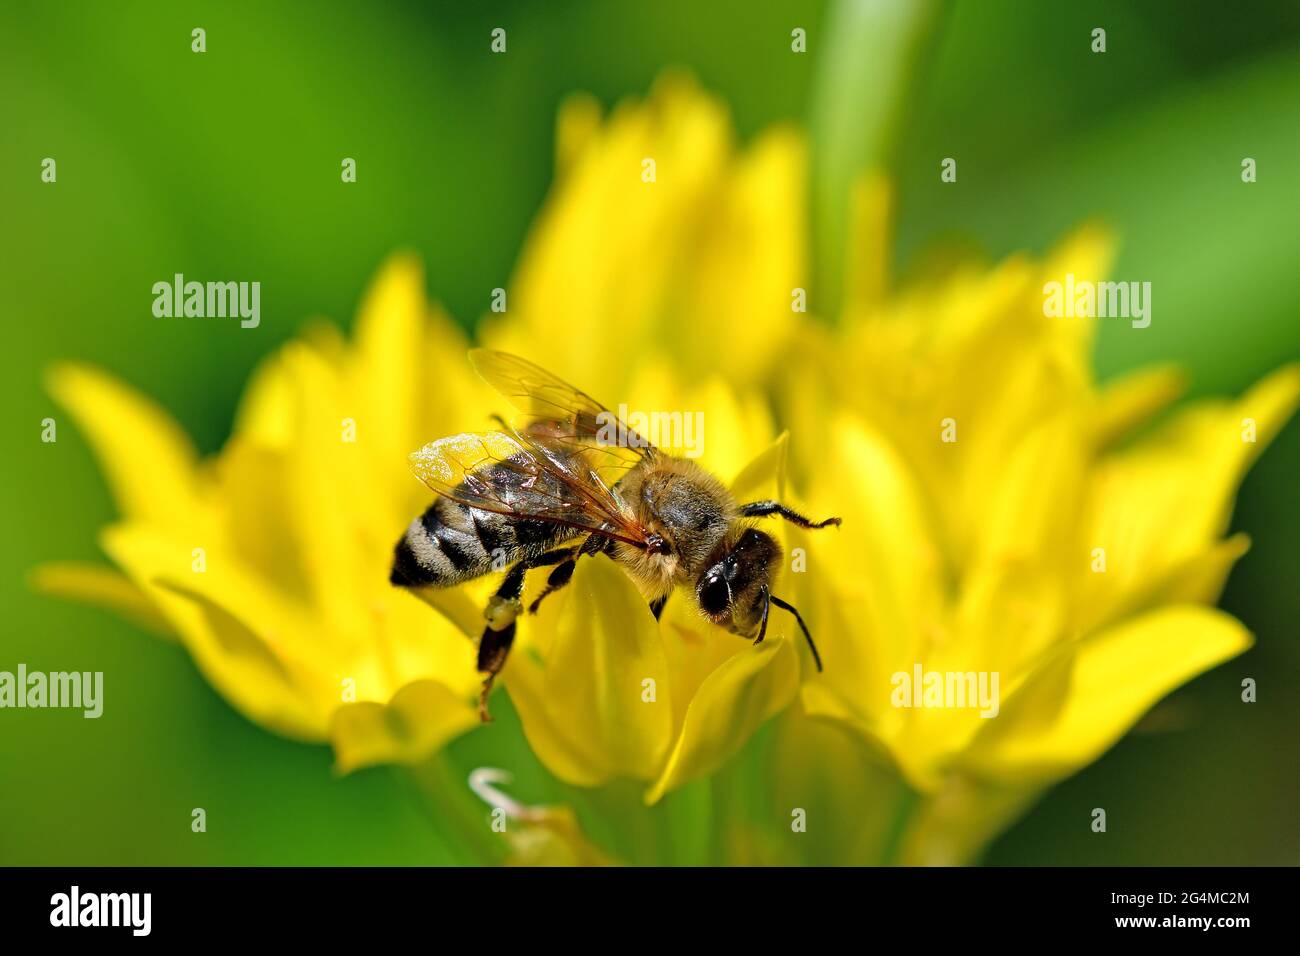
(227, 165)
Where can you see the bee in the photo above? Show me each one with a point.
(559, 488)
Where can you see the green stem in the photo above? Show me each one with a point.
(865, 77)
(908, 800)
(461, 818)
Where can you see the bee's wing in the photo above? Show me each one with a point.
(522, 477)
(556, 412)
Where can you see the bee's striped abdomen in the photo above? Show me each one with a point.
(452, 543)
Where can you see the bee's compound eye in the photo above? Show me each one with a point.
(714, 594)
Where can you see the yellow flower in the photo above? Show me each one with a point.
(671, 295)
(269, 562)
(296, 517)
(625, 283)
(1005, 516)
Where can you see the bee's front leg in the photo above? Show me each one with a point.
(761, 509)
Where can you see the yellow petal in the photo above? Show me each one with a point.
(558, 745)
(233, 628)
(259, 515)
(1158, 504)
(422, 717)
(461, 610)
(245, 669)
(454, 398)
(1011, 602)
(329, 505)
(106, 587)
(973, 355)
(737, 307)
(147, 460)
(1031, 513)
(822, 702)
(608, 243)
(871, 593)
(1087, 254)
(765, 475)
(1082, 700)
(585, 708)
(1006, 616)
(265, 414)
(389, 348)
(734, 701)
(1198, 579)
(1133, 399)
(1270, 404)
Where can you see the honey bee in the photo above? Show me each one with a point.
(521, 497)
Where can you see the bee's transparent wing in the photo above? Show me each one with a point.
(560, 415)
(523, 478)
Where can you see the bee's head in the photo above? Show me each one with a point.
(733, 590)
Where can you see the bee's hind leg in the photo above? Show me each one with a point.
(493, 649)
(502, 609)
(494, 645)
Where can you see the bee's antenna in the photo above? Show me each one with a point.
(786, 606)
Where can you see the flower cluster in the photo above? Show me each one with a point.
(1003, 514)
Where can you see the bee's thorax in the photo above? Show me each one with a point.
(688, 510)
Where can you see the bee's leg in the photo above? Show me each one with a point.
(548, 558)
(761, 509)
(563, 572)
(493, 649)
(494, 645)
(767, 604)
(557, 579)
(657, 606)
(503, 607)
